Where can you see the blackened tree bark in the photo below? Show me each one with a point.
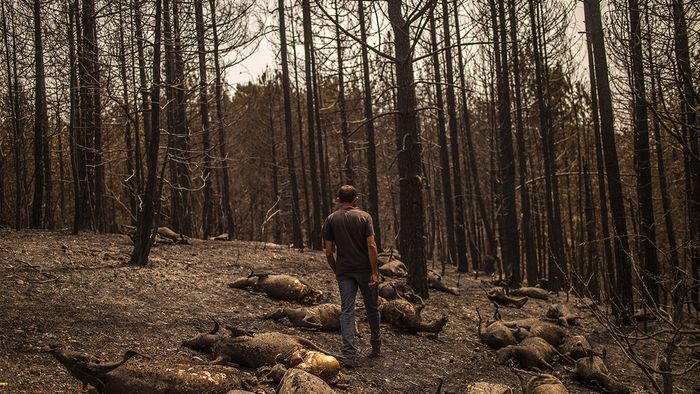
(689, 102)
(471, 156)
(40, 120)
(276, 198)
(145, 95)
(296, 225)
(600, 167)
(300, 127)
(460, 221)
(345, 134)
(557, 260)
(322, 151)
(207, 219)
(677, 274)
(507, 214)
(315, 181)
(445, 174)
(622, 294)
(145, 232)
(77, 157)
(129, 185)
(14, 114)
(178, 137)
(223, 153)
(369, 118)
(528, 236)
(411, 233)
(642, 161)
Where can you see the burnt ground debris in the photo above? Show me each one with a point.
(80, 292)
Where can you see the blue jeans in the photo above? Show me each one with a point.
(348, 284)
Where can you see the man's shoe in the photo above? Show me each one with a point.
(347, 362)
(376, 349)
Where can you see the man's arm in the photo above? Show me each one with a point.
(373, 253)
(329, 254)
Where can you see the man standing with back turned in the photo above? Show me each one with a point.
(352, 231)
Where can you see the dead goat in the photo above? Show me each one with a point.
(591, 370)
(283, 287)
(532, 292)
(298, 381)
(494, 334)
(435, 282)
(148, 378)
(316, 363)
(532, 353)
(551, 333)
(394, 290)
(540, 383)
(167, 235)
(405, 316)
(325, 317)
(394, 268)
(251, 350)
(575, 347)
(488, 388)
(561, 314)
(499, 295)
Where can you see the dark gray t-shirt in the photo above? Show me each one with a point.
(349, 229)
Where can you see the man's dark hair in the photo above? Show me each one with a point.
(347, 193)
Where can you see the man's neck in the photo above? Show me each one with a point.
(347, 206)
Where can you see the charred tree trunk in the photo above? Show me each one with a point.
(145, 232)
(622, 295)
(276, 197)
(14, 114)
(145, 95)
(129, 185)
(471, 156)
(40, 121)
(557, 258)
(322, 151)
(411, 233)
(444, 154)
(223, 153)
(369, 118)
(207, 214)
(507, 214)
(347, 151)
(178, 136)
(460, 221)
(642, 161)
(689, 104)
(296, 225)
(300, 126)
(315, 181)
(528, 237)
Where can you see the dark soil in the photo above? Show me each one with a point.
(80, 292)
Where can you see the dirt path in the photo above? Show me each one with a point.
(80, 292)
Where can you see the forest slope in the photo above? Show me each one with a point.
(78, 291)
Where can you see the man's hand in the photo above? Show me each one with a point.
(374, 280)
